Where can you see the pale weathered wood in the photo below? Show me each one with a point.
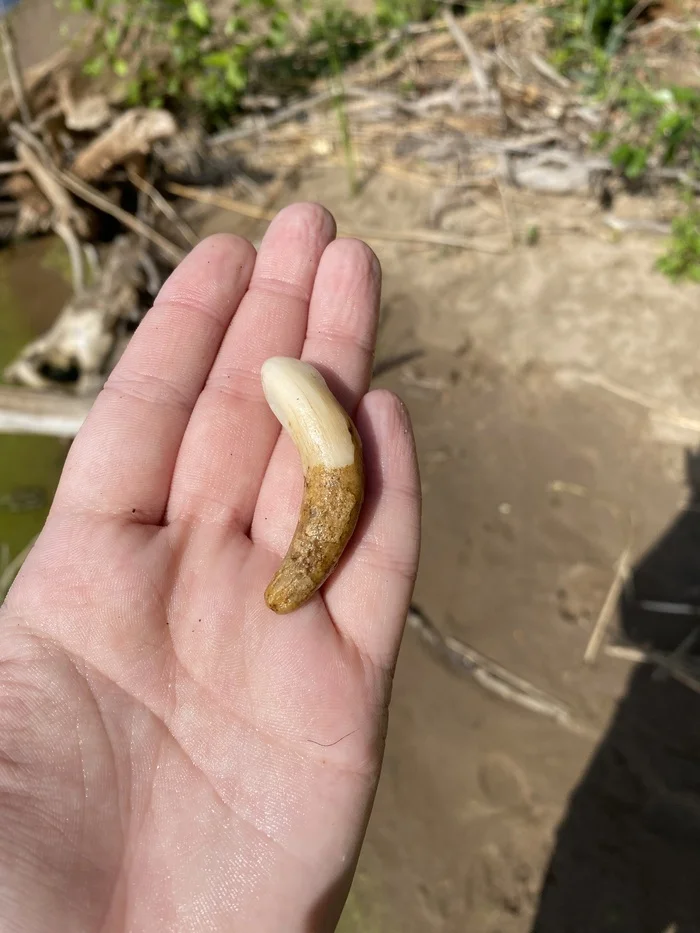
(131, 133)
(81, 342)
(23, 411)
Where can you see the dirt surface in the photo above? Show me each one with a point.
(489, 817)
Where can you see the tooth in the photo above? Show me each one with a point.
(331, 457)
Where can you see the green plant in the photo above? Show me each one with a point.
(649, 125)
(603, 19)
(585, 34)
(682, 257)
(397, 13)
(653, 126)
(173, 51)
(177, 53)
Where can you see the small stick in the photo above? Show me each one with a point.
(92, 196)
(490, 675)
(678, 654)
(638, 656)
(608, 608)
(506, 213)
(64, 211)
(641, 225)
(163, 206)
(631, 395)
(433, 237)
(11, 168)
(546, 70)
(480, 77)
(75, 253)
(618, 32)
(40, 169)
(627, 653)
(285, 114)
(14, 71)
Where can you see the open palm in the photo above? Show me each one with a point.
(174, 756)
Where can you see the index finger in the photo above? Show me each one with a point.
(122, 460)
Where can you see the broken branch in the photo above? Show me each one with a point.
(464, 43)
(23, 411)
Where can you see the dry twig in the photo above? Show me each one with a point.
(607, 611)
(14, 72)
(492, 676)
(426, 237)
(464, 43)
(89, 194)
(654, 407)
(186, 232)
(546, 70)
(640, 656)
(256, 126)
(66, 216)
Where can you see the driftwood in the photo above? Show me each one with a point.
(92, 196)
(133, 133)
(82, 114)
(79, 348)
(23, 411)
(556, 171)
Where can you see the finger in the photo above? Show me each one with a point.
(343, 314)
(232, 431)
(340, 340)
(368, 596)
(123, 458)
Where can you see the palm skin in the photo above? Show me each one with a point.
(173, 756)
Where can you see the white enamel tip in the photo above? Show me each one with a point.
(307, 409)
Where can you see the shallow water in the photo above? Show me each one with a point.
(33, 286)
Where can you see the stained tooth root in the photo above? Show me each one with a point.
(331, 454)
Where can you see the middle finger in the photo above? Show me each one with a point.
(232, 432)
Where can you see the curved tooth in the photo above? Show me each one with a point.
(331, 457)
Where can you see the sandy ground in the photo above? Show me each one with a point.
(537, 472)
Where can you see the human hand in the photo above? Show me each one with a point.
(173, 755)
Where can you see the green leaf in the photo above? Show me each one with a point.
(120, 68)
(198, 14)
(217, 60)
(236, 25)
(111, 37)
(632, 160)
(94, 66)
(236, 77)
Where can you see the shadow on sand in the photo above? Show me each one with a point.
(627, 857)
